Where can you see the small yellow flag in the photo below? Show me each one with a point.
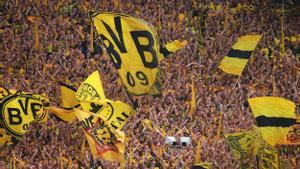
(237, 57)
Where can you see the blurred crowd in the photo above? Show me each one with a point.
(63, 53)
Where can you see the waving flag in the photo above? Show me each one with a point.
(274, 117)
(134, 48)
(237, 57)
(105, 142)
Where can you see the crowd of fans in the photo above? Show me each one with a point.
(64, 54)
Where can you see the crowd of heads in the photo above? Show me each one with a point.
(64, 54)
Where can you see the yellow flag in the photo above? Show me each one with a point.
(18, 110)
(91, 88)
(244, 145)
(202, 166)
(64, 114)
(193, 100)
(237, 57)
(116, 113)
(198, 152)
(68, 96)
(274, 117)
(105, 142)
(134, 48)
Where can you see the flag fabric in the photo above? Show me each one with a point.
(202, 166)
(91, 88)
(116, 113)
(244, 145)
(36, 37)
(17, 111)
(237, 57)
(104, 141)
(274, 117)
(134, 49)
(68, 96)
(67, 115)
(193, 99)
(268, 158)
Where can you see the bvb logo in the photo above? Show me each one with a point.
(87, 92)
(18, 112)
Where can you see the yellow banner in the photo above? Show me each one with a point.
(237, 57)
(134, 48)
(275, 118)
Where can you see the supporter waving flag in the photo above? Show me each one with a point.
(135, 50)
(275, 118)
(237, 57)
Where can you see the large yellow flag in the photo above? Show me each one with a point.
(17, 111)
(91, 88)
(134, 48)
(274, 117)
(237, 57)
(105, 142)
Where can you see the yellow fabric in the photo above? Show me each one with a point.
(64, 114)
(36, 37)
(91, 88)
(268, 158)
(273, 107)
(105, 142)
(198, 152)
(68, 96)
(244, 145)
(181, 17)
(134, 82)
(204, 165)
(193, 100)
(173, 47)
(19, 110)
(147, 123)
(116, 113)
(236, 66)
(134, 47)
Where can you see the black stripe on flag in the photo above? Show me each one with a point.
(235, 53)
(163, 50)
(263, 121)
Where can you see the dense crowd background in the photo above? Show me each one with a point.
(64, 55)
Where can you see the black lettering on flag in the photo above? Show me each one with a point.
(118, 41)
(14, 116)
(235, 53)
(35, 107)
(263, 121)
(145, 48)
(24, 108)
(114, 55)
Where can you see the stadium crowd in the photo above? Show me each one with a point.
(64, 54)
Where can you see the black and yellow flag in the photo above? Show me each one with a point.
(274, 117)
(17, 111)
(104, 141)
(237, 57)
(134, 48)
(69, 102)
(116, 113)
(244, 145)
(91, 88)
(202, 166)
